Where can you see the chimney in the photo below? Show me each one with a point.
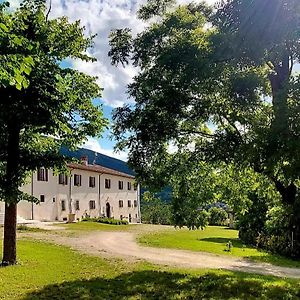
(84, 160)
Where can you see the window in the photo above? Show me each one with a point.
(63, 205)
(92, 181)
(121, 217)
(77, 180)
(129, 203)
(62, 179)
(42, 198)
(120, 203)
(53, 199)
(135, 186)
(129, 186)
(120, 185)
(135, 203)
(107, 183)
(92, 204)
(77, 205)
(42, 174)
(136, 216)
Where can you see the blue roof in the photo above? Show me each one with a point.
(98, 159)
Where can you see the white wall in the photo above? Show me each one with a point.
(55, 193)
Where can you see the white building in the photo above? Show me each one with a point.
(88, 190)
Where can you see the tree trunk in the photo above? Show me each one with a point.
(11, 195)
(10, 235)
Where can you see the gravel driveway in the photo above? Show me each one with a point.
(124, 245)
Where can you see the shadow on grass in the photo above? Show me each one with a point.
(167, 285)
(220, 240)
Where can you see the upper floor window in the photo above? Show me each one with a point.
(120, 185)
(135, 203)
(77, 180)
(92, 204)
(62, 179)
(129, 186)
(135, 186)
(42, 198)
(42, 174)
(129, 203)
(92, 181)
(107, 183)
(120, 203)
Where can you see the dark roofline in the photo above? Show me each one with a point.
(99, 169)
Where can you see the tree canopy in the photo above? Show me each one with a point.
(220, 83)
(43, 105)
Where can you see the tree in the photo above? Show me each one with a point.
(154, 210)
(220, 81)
(43, 105)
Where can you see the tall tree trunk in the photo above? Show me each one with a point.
(11, 195)
(9, 243)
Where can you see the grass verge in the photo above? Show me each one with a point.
(212, 239)
(54, 272)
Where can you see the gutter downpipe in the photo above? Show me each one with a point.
(99, 199)
(70, 192)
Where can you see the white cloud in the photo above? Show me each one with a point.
(93, 144)
(102, 16)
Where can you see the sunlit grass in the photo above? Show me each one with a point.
(49, 271)
(212, 239)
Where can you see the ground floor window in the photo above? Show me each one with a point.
(77, 205)
(42, 198)
(63, 205)
(92, 204)
(120, 203)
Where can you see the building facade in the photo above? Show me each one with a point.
(87, 190)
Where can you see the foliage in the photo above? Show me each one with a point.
(226, 92)
(217, 216)
(154, 210)
(252, 223)
(213, 239)
(277, 236)
(46, 274)
(104, 220)
(44, 105)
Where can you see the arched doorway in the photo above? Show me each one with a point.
(108, 210)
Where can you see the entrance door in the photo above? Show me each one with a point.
(108, 210)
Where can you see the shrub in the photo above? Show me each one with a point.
(252, 224)
(105, 220)
(217, 216)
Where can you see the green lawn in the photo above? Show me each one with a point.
(212, 239)
(94, 226)
(54, 272)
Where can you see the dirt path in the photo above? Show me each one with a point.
(124, 245)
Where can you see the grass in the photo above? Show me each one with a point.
(54, 272)
(94, 226)
(24, 228)
(213, 239)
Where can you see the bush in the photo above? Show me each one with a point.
(104, 220)
(252, 224)
(217, 216)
